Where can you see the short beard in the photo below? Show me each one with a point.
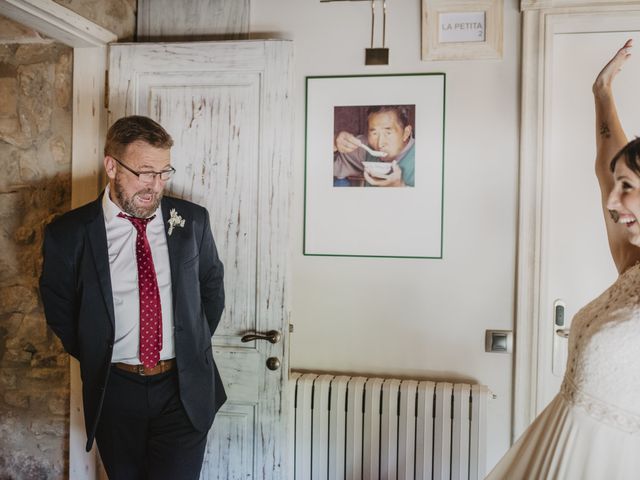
(128, 205)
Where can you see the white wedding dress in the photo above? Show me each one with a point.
(591, 429)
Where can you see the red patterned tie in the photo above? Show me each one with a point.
(150, 308)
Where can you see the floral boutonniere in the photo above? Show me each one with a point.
(175, 220)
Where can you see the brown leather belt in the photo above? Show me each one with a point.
(161, 367)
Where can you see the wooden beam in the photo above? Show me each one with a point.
(57, 22)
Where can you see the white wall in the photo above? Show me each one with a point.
(411, 317)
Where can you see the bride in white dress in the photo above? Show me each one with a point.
(591, 429)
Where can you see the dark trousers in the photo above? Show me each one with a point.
(144, 433)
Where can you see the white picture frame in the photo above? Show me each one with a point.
(400, 222)
(477, 25)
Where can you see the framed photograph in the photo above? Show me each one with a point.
(374, 165)
(461, 29)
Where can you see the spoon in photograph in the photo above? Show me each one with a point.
(372, 152)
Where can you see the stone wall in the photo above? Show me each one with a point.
(35, 185)
(118, 16)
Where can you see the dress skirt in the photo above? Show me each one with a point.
(567, 443)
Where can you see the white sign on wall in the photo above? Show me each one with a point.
(461, 27)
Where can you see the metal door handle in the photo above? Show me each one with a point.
(272, 336)
(563, 332)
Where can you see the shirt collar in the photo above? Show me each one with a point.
(405, 150)
(111, 210)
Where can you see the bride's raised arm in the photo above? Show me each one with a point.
(610, 138)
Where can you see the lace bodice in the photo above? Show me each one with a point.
(603, 367)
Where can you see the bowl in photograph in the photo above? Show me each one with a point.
(377, 168)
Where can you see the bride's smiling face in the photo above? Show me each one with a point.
(624, 199)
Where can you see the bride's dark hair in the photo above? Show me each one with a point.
(631, 153)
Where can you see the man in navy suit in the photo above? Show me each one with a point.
(133, 287)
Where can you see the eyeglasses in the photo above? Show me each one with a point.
(149, 177)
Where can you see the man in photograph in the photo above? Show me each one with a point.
(384, 157)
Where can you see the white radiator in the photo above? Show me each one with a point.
(372, 428)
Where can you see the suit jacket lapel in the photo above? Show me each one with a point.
(97, 236)
(173, 245)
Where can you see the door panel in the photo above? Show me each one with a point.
(226, 105)
(216, 144)
(238, 422)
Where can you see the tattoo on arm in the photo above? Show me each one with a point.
(604, 130)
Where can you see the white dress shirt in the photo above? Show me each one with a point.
(121, 243)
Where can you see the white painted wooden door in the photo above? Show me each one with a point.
(226, 104)
(575, 262)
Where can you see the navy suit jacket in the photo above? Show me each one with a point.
(75, 287)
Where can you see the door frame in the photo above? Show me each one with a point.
(542, 19)
(89, 124)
